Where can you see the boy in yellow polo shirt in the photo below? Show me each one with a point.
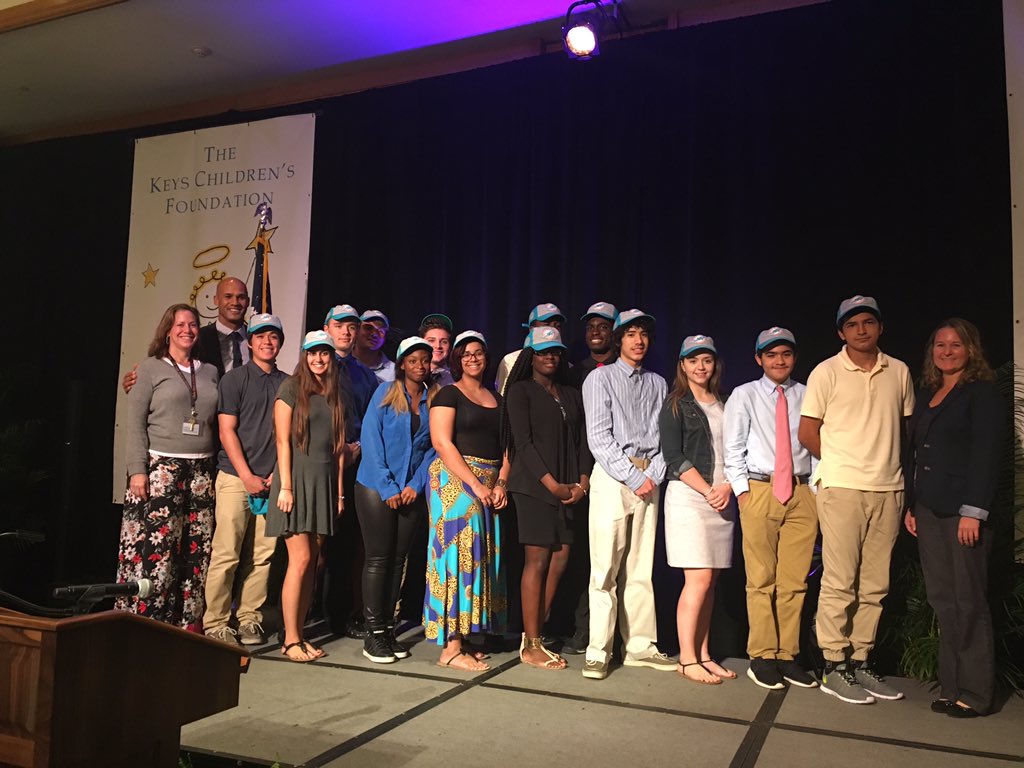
(852, 419)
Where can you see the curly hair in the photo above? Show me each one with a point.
(977, 368)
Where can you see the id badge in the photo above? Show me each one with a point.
(191, 428)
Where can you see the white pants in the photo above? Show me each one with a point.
(622, 528)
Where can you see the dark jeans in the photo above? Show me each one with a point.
(387, 535)
(956, 578)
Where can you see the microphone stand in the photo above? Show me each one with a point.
(16, 603)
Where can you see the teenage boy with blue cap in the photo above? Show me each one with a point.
(769, 470)
(852, 418)
(542, 314)
(245, 419)
(622, 402)
(344, 553)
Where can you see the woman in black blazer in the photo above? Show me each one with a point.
(544, 435)
(950, 469)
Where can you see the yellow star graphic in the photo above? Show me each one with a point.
(264, 239)
(150, 275)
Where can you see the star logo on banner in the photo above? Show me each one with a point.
(263, 238)
(150, 275)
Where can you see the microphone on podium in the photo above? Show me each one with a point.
(96, 592)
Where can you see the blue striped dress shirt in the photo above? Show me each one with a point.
(750, 431)
(622, 406)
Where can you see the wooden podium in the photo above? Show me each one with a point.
(106, 689)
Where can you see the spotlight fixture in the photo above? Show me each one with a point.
(582, 32)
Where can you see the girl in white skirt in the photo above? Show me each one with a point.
(699, 514)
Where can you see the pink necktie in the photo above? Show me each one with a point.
(782, 480)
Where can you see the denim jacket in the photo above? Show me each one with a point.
(686, 440)
(393, 458)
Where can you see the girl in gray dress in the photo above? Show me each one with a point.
(699, 515)
(306, 495)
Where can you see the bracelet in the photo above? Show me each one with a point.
(581, 488)
(502, 482)
(710, 490)
(286, 489)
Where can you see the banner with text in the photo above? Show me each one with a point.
(222, 202)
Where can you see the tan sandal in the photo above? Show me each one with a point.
(554, 662)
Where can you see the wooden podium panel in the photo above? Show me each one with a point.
(106, 689)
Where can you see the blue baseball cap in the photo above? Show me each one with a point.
(601, 309)
(405, 346)
(264, 322)
(374, 314)
(318, 339)
(543, 337)
(699, 343)
(854, 306)
(628, 316)
(543, 312)
(772, 337)
(342, 312)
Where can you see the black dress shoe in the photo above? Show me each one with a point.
(942, 706)
(962, 712)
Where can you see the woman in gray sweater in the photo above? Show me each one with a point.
(167, 523)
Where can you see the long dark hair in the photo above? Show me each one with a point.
(309, 386)
(521, 371)
(681, 387)
(160, 345)
(455, 358)
(977, 368)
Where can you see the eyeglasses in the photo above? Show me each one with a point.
(473, 355)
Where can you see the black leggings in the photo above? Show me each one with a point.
(387, 534)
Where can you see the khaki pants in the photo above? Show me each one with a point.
(858, 530)
(622, 528)
(778, 542)
(240, 553)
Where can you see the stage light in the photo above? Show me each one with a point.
(582, 32)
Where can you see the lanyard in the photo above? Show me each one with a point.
(191, 389)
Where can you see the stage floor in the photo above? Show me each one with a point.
(346, 711)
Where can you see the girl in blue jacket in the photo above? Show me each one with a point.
(390, 490)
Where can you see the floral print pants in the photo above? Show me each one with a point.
(167, 539)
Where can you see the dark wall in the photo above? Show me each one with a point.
(725, 177)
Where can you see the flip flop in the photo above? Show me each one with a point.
(727, 675)
(460, 654)
(681, 673)
(308, 647)
(301, 646)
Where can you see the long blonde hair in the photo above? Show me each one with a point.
(395, 397)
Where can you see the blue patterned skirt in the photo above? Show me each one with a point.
(465, 583)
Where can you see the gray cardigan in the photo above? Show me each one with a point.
(159, 404)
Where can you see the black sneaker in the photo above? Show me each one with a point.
(399, 650)
(356, 628)
(794, 674)
(765, 673)
(376, 648)
(576, 644)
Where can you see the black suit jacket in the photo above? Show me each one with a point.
(954, 461)
(208, 347)
(544, 441)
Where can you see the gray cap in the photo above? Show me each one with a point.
(854, 306)
(772, 337)
(700, 343)
(629, 315)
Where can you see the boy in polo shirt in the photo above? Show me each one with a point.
(245, 419)
(769, 471)
(852, 419)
